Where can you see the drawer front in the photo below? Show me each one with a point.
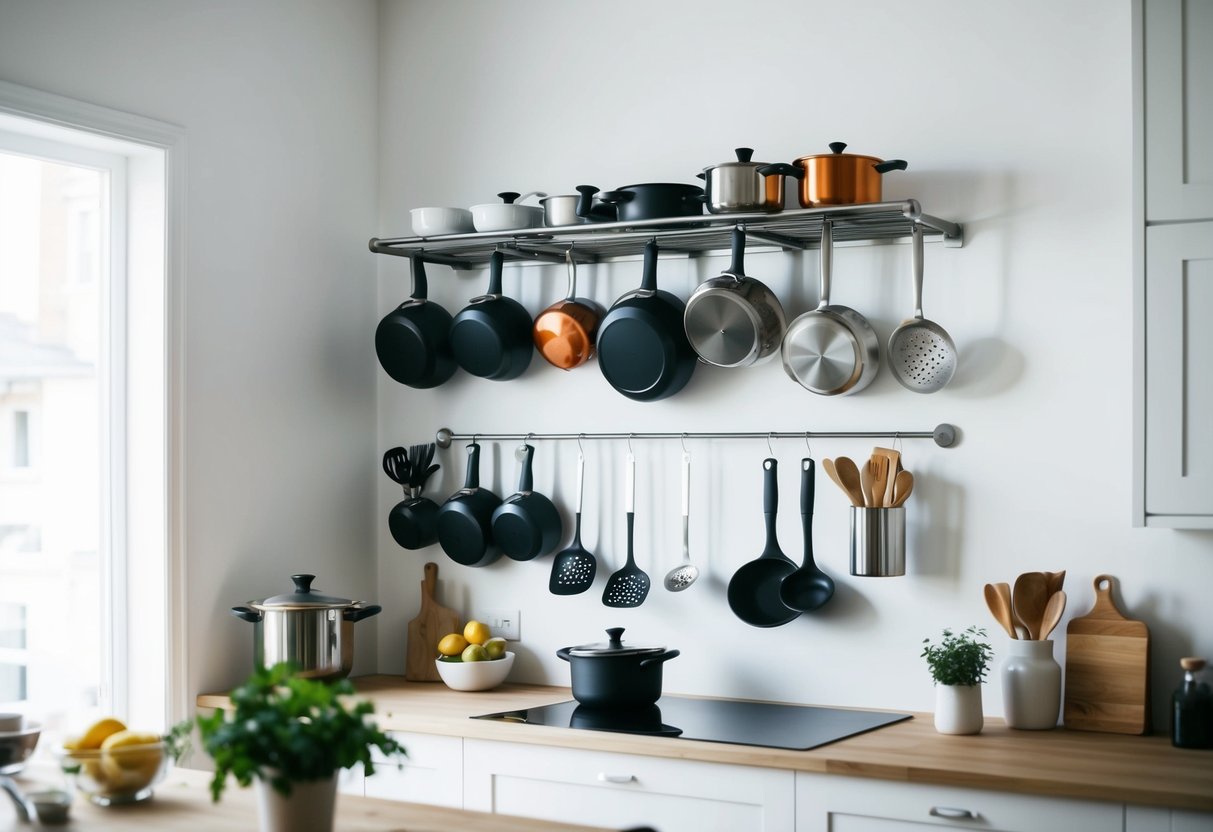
(826, 803)
(625, 790)
(432, 773)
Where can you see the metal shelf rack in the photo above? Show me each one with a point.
(789, 230)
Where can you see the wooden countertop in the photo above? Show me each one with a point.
(182, 802)
(1058, 763)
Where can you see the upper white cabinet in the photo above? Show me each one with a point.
(1173, 264)
(1178, 41)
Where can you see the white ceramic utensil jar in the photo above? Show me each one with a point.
(1031, 685)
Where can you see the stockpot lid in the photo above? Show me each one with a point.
(303, 598)
(744, 155)
(615, 647)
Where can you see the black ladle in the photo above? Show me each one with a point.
(574, 568)
(753, 593)
(808, 587)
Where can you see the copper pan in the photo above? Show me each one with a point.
(566, 332)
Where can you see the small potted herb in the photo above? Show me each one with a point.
(958, 665)
(292, 735)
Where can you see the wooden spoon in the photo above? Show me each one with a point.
(903, 484)
(880, 479)
(1029, 598)
(848, 478)
(998, 599)
(828, 465)
(1055, 580)
(1052, 614)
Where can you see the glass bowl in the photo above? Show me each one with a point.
(16, 746)
(125, 774)
(484, 675)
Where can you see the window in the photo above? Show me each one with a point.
(84, 418)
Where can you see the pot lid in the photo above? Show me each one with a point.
(744, 155)
(615, 647)
(304, 597)
(836, 149)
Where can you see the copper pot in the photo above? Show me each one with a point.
(566, 333)
(839, 178)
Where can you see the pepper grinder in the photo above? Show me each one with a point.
(1192, 709)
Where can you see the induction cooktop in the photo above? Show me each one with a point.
(770, 725)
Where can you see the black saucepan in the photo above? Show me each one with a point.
(465, 519)
(648, 201)
(527, 525)
(754, 588)
(643, 348)
(491, 336)
(413, 341)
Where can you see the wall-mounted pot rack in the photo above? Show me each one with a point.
(944, 435)
(789, 230)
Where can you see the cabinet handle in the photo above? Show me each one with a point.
(952, 813)
(603, 777)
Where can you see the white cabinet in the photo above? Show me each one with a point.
(1153, 819)
(622, 790)
(828, 803)
(432, 773)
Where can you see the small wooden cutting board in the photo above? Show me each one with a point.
(426, 630)
(1107, 668)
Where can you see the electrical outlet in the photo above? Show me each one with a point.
(504, 623)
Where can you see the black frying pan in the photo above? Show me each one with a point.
(754, 588)
(491, 336)
(413, 341)
(527, 525)
(465, 519)
(642, 347)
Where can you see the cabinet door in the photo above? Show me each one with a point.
(1179, 109)
(828, 803)
(432, 773)
(1179, 374)
(1156, 819)
(621, 790)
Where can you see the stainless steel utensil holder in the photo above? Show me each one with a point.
(878, 542)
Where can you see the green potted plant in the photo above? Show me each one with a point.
(292, 735)
(958, 664)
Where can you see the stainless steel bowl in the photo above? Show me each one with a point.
(17, 746)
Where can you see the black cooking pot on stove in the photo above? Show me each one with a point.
(648, 201)
(612, 674)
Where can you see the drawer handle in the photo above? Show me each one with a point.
(603, 777)
(952, 814)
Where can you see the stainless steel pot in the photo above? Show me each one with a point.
(735, 187)
(561, 209)
(313, 632)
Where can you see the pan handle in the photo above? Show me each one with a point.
(472, 479)
(420, 287)
(916, 248)
(738, 265)
(247, 614)
(664, 657)
(359, 613)
(526, 480)
(827, 261)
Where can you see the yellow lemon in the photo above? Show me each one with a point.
(476, 632)
(99, 731)
(452, 644)
(128, 766)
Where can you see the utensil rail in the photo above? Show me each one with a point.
(944, 435)
(795, 229)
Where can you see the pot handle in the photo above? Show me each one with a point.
(247, 614)
(664, 657)
(420, 288)
(359, 613)
(782, 169)
(563, 653)
(892, 164)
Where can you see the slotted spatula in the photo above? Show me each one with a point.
(629, 586)
(573, 569)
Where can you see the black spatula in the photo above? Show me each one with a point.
(629, 586)
(573, 569)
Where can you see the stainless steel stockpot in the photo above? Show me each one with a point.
(743, 185)
(313, 632)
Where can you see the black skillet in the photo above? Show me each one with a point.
(527, 525)
(413, 341)
(642, 347)
(754, 588)
(465, 519)
(491, 336)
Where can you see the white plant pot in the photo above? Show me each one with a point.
(309, 807)
(1031, 685)
(958, 709)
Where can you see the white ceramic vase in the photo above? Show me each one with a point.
(310, 807)
(1031, 685)
(958, 709)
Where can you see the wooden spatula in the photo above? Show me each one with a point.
(1029, 597)
(425, 631)
(895, 468)
(998, 599)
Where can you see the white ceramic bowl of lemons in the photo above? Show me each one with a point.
(481, 675)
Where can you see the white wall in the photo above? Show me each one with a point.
(277, 102)
(1015, 118)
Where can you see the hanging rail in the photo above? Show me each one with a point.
(944, 435)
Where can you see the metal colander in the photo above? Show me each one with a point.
(922, 355)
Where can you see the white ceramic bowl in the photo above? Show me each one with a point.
(498, 216)
(434, 222)
(475, 675)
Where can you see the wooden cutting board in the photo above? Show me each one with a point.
(426, 630)
(1107, 668)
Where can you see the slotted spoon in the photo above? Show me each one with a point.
(629, 586)
(574, 568)
(683, 575)
(922, 355)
